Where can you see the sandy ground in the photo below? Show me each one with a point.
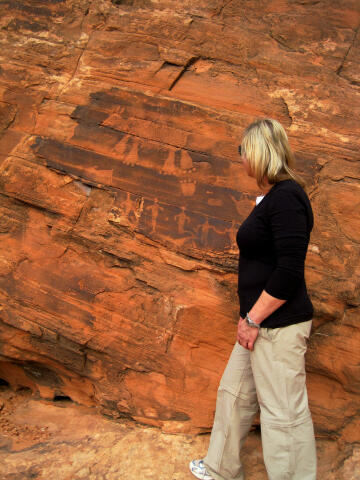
(64, 441)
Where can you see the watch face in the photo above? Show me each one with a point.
(251, 323)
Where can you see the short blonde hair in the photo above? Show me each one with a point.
(268, 152)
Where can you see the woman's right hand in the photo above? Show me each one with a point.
(246, 335)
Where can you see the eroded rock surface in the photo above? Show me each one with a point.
(121, 192)
(43, 439)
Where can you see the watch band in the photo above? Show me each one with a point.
(250, 322)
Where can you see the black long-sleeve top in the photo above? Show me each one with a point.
(273, 242)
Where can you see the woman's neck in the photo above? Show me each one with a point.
(266, 187)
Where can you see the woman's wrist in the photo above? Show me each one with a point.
(250, 321)
(253, 317)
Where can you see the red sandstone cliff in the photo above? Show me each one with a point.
(121, 193)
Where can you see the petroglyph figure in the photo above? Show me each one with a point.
(154, 209)
(182, 218)
(127, 205)
(188, 187)
(128, 149)
(169, 164)
(231, 233)
(186, 162)
(205, 227)
(124, 214)
(228, 233)
(177, 162)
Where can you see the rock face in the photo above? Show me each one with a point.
(122, 191)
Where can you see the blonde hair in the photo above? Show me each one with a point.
(268, 152)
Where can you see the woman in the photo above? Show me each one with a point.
(266, 367)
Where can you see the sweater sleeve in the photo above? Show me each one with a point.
(288, 222)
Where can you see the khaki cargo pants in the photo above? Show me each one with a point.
(272, 376)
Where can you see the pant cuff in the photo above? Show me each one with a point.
(217, 476)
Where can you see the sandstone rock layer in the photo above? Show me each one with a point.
(121, 192)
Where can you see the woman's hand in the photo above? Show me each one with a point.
(246, 335)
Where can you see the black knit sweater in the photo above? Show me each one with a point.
(273, 242)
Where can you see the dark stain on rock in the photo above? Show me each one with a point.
(7, 115)
(88, 116)
(42, 375)
(35, 10)
(20, 25)
(140, 180)
(123, 2)
(180, 416)
(106, 99)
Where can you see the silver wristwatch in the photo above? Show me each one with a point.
(250, 322)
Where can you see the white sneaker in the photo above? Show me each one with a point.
(198, 469)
